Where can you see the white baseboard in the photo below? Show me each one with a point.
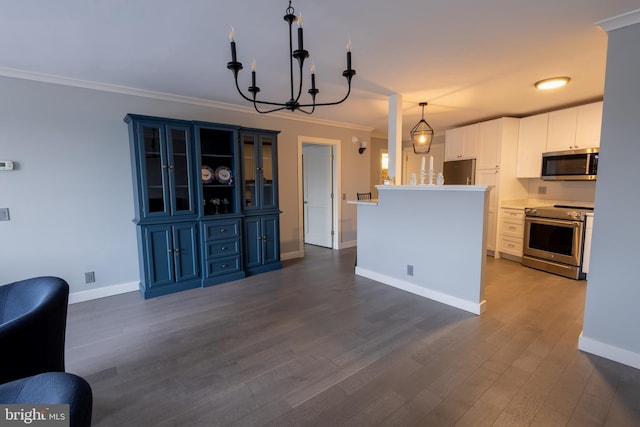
(106, 291)
(291, 255)
(350, 244)
(470, 306)
(609, 351)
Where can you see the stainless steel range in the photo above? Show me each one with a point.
(554, 239)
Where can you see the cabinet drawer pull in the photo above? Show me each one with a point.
(224, 266)
(222, 230)
(511, 245)
(511, 227)
(170, 251)
(177, 250)
(224, 248)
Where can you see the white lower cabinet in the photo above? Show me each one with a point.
(511, 231)
(489, 177)
(586, 254)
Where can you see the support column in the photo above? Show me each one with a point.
(395, 137)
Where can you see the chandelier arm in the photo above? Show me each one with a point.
(301, 62)
(255, 106)
(305, 111)
(325, 104)
(240, 91)
(280, 105)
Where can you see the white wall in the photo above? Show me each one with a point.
(572, 191)
(440, 231)
(71, 195)
(612, 313)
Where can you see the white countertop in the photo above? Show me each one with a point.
(468, 188)
(370, 202)
(532, 203)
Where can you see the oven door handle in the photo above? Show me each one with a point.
(559, 222)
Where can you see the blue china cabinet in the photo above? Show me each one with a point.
(206, 202)
(260, 200)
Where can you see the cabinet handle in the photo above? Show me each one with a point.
(170, 251)
(511, 245)
(224, 266)
(177, 250)
(164, 166)
(172, 167)
(223, 248)
(512, 227)
(222, 230)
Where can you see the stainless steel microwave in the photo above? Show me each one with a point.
(571, 165)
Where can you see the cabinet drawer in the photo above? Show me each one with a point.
(226, 248)
(511, 245)
(512, 214)
(219, 267)
(221, 230)
(510, 228)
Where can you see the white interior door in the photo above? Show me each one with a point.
(317, 184)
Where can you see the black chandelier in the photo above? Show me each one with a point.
(300, 54)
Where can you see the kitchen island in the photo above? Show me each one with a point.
(427, 240)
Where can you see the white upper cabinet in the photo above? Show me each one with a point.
(589, 125)
(575, 128)
(489, 137)
(461, 143)
(532, 143)
(562, 129)
(567, 129)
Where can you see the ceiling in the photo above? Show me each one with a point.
(470, 60)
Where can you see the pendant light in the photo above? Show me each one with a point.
(422, 135)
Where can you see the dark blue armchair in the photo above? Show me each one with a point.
(33, 320)
(53, 388)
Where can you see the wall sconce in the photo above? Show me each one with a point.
(362, 145)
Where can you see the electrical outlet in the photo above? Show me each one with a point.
(542, 189)
(89, 277)
(409, 270)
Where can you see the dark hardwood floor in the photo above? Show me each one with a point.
(313, 344)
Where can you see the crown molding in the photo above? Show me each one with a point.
(619, 21)
(125, 90)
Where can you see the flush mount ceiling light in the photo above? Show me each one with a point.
(422, 135)
(552, 83)
(300, 55)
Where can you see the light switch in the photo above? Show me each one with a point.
(4, 214)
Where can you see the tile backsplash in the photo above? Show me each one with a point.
(575, 191)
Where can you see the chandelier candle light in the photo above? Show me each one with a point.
(300, 54)
(423, 172)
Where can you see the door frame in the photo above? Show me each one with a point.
(336, 190)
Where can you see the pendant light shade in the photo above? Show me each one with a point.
(422, 135)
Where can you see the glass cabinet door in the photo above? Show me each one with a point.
(167, 169)
(250, 167)
(269, 159)
(180, 180)
(154, 174)
(259, 157)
